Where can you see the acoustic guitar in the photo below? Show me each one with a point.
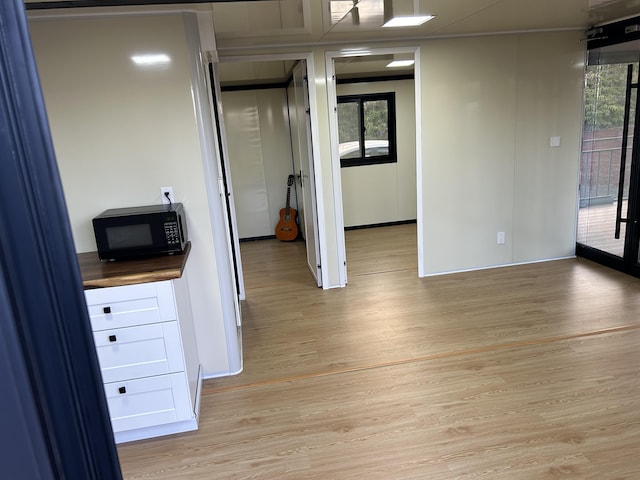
(287, 228)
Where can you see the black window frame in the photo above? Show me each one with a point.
(392, 156)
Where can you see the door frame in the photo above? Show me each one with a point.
(55, 412)
(313, 101)
(616, 34)
(335, 155)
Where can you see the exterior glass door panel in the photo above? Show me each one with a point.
(607, 216)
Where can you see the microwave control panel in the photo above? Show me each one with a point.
(171, 232)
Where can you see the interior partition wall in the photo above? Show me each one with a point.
(609, 198)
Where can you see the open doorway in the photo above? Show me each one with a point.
(269, 123)
(375, 156)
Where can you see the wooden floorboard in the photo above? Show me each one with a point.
(597, 226)
(522, 372)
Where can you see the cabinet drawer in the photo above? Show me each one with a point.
(143, 351)
(148, 401)
(115, 307)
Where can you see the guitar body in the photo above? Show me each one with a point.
(287, 227)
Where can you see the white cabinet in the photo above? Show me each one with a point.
(147, 352)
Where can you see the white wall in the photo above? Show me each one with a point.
(120, 133)
(490, 105)
(549, 103)
(260, 157)
(373, 194)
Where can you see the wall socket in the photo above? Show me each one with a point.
(166, 195)
(500, 238)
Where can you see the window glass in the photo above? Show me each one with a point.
(349, 129)
(376, 129)
(366, 129)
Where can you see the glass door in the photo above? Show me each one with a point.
(609, 192)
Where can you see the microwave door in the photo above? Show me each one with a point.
(125, 237)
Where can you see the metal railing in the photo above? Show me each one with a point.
(600, 170)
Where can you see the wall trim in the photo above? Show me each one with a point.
(379, 225)
(385, 41)
(256, 86)
(113, 3)
(375, 78)
(256, 239)
(490, 267)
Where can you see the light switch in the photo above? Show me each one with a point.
(554, 142)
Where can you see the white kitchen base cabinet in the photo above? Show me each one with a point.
(147, 351)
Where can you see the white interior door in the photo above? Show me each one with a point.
(224, 179)
(295, 131)
(303, 164)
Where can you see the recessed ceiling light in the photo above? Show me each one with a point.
(151, 59)
(408, 21)
(400, 63)
(355, 51)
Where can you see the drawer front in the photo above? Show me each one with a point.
(116, 307)
(148, 401)
(143, 351)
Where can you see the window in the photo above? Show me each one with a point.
(367, 129)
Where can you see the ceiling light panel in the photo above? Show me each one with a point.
(400, 63)
(404, 13)
(407, 21)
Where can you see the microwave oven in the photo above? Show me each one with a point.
(125, 233)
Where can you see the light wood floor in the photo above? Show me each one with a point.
(597, 226)
(527, 372)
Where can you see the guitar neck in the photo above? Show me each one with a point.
(290, 180)
(288, 198)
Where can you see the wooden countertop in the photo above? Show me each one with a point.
(96, 273)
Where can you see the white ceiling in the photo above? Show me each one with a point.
(269, 23)
(255, 26)
(244, 27)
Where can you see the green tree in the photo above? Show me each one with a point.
(605, 88)
(376, 120)
(348, 122)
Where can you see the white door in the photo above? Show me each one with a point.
(224, 180)
(300, 123)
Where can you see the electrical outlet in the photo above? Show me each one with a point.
(166, 194)
(501, 238)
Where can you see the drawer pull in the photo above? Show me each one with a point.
(106, 309)
(122, 390)
(112, 338)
